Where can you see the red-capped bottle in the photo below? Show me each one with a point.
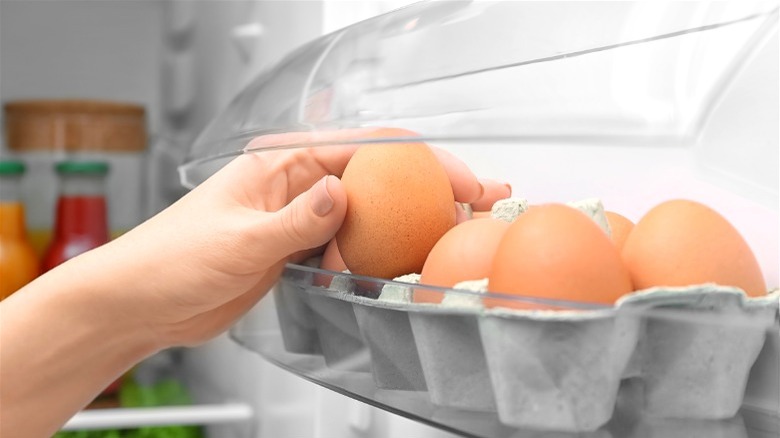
(81, 220)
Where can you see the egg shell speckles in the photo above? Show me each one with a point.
(682, 242)
(556, 252)
(399, 203)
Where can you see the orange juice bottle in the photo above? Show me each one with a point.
(18, 262)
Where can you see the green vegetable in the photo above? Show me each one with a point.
(167, 392)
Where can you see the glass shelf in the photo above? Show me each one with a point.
(617, 372)
(749, 423)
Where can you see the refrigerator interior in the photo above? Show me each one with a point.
(185, 60)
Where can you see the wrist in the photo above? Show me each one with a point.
(106, 301)
(64, 340)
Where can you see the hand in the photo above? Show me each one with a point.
(211, 256)
(180, 278)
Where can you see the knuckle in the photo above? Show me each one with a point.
(293, 227)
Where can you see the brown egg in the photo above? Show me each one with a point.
(331, 260)
(682, 242)
(557, 252)
(399, 203)
(619, 226)
(465, 252)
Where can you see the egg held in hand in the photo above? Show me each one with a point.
(399, 203)
(464, 253)
(682, 242)
(556, 252)
(331, 261)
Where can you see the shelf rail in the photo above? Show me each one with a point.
(126, 418)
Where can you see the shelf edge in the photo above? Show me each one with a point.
(122, 418)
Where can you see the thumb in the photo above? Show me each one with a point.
(309, 221)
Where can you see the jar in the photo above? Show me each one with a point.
(18, 261)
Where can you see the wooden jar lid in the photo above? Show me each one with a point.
(75, 125)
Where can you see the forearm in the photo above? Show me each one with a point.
(61, 343)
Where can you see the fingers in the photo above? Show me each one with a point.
(465, 185)
(333, 158)
(309, 221)
(492, 191)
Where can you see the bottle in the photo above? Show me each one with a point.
(18, 261)
(81, 221)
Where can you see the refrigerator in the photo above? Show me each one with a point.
(632, 103)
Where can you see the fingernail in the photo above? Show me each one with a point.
(321, 201)
(509, 187)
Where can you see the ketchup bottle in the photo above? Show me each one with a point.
(82, 219)
(18, 261)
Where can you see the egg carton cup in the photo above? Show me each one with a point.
(696, 347)
(557, 369)
(452, 357)
(296, 318)
(442, 353)
(337, 328)
(451, 350)
(386, 329)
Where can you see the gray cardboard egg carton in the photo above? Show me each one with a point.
(690, 350)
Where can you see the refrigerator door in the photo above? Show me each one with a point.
(633, 102)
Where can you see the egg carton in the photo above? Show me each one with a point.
(696, 348)
(557, 370)
(452, 357)
(419, 347)
(386, 329)
(316, 320)
(296, 318)
(294, 313)
(450, 348)
(690, 349)
(337, 329)
(643, 425)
